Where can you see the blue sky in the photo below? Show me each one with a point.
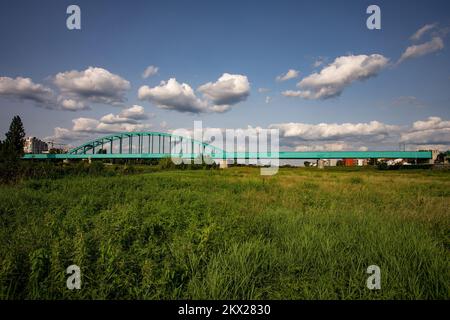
(196, 42)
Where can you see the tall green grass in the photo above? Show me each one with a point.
(232, 234)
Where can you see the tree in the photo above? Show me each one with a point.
(15, 138)
(55, 151)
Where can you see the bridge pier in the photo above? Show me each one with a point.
(320, 164)
(223, 164)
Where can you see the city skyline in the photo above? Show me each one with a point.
(314, 71)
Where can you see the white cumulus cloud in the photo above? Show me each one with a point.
(129, 115)
(135, 112)
(93, 84)
(25, 89)
(335, 146)
(72, 105)
(422, 31)
(431, 133)
(174, 96)
(84, 128)
(329, 131)
(423, 49)
(229, 89)
(290, 74)
(90, 125)
(150, 71)
(334, 78)
(219, 96)
(433, 130)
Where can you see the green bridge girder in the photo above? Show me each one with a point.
(198, 148)
(242, 155)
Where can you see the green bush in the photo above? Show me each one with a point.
(356, 180)
(96, 167)
(166, 163)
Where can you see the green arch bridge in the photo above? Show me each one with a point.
(157, 145)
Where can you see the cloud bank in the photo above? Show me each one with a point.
(430, 133)
(433, 130)
(128, 120)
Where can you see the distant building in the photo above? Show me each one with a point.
(321, 163)
(434, 156)
(443, 158)
(447, 157)
(326, 162)
(362, 162)
(350, 162)
(397, 162)
(34, 145)
(332, 162)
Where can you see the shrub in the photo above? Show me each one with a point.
(166, 163)
(356, 180)
(96, 167)
(128, 169)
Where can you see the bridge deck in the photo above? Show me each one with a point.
(242, 155)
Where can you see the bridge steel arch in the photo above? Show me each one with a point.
(163, 139)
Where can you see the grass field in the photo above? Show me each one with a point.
(231, 234)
